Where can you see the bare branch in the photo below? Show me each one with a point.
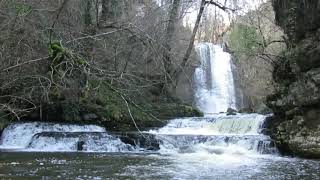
(223, 7)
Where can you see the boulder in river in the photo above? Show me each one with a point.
(231, 111)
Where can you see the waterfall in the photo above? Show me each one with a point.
(214, 83)
(214, 135)
(217, 134)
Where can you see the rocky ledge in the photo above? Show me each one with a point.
(295, 126)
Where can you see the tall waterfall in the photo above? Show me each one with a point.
(214, 91)
(217, 134)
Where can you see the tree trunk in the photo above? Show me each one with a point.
(194, 32)
(89, 28)
(173, 16)
(111, 12)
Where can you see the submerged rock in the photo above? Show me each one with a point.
(231, 111)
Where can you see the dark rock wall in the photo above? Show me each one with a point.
(297, 17)
(296, 103)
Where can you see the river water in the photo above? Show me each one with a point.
(213, 147)
(152, 166)
(216, 146)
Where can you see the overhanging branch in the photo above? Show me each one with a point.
(220, 6)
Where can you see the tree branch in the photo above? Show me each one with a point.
(220, 6)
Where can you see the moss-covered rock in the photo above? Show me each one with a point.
(119, 113)
(296, 124)
(113, 109)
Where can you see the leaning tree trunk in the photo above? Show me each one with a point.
(194, 32)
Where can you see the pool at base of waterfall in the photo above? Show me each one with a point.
(212, 147)
(27, 165)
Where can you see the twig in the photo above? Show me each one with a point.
(93, 36)
(132, 118)
(27, 62)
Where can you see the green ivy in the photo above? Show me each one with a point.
(22, 9)
(245, 40)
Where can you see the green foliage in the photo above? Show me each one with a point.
(71, 111)
(244, 40)
(56, 52)
(22, 9)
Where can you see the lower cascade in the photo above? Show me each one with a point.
(215, 134)
(38, 136)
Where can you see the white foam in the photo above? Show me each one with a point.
(19, 135)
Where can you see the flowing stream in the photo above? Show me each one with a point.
(216, 146)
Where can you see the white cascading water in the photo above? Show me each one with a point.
(215, 134)
(214, 86)
(38, 136)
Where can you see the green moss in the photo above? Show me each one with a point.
(81, 61)
(71, 111)
(114, 112)
(56, 52)
(22, 9)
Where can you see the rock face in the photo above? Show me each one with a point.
(297, 17)
(296, 103)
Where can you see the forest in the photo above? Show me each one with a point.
(160, 89)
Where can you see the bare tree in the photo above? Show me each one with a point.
(173, 17)
(195, 29)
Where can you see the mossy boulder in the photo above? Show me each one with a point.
(119, 113)
(113, 109)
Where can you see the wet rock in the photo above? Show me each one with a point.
(263, 109)
(141, 140)
(90, 117)
(246, 110)
(80, 145)
(231, 111)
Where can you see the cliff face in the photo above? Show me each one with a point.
(297, 17)
(296, 103)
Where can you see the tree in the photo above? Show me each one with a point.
(173, 16)
(195, 29)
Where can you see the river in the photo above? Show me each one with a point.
(217, 146)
